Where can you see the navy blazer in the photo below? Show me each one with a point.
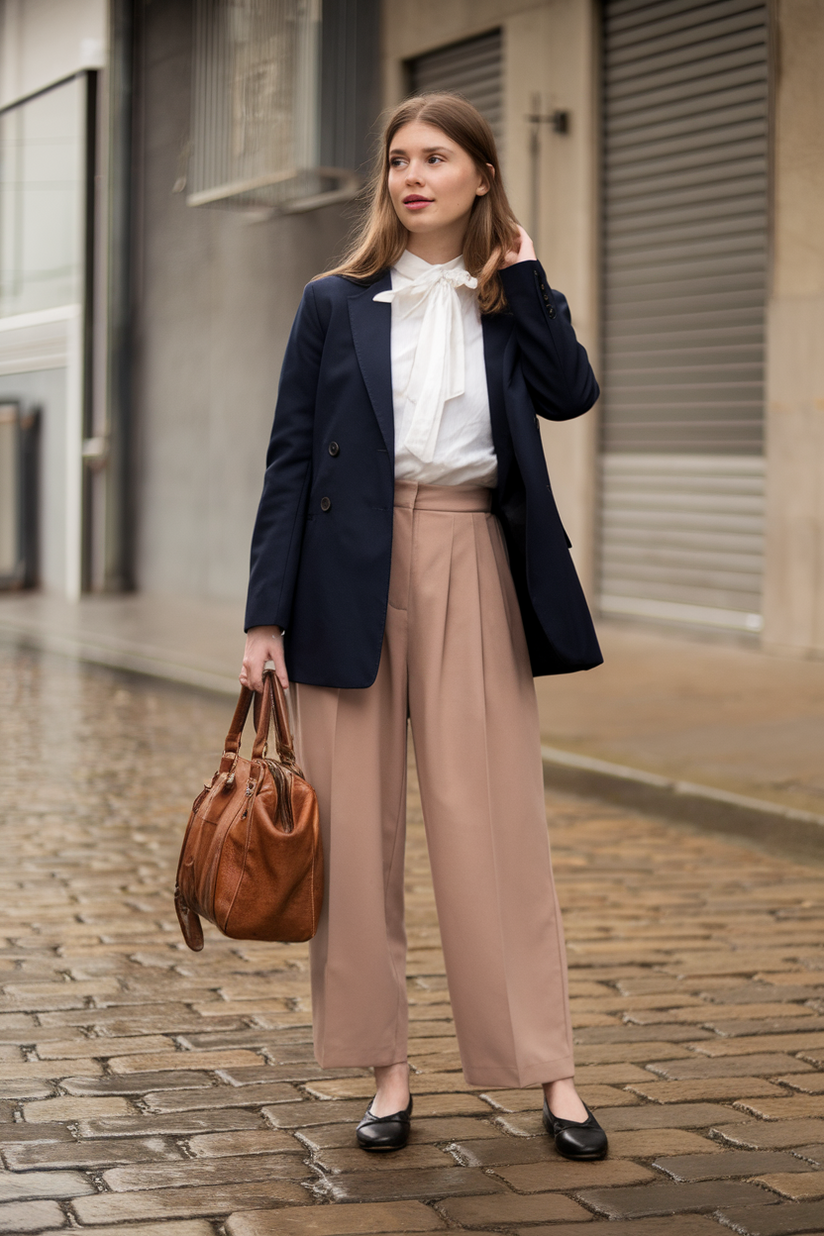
(322, 541)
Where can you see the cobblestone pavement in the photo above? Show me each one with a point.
(145, 1089)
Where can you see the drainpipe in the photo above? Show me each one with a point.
(118, 566)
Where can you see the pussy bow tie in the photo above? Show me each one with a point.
(438, 368)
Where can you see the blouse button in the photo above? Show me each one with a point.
(334, 449)
(325, 504)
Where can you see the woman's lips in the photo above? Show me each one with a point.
(417, 203)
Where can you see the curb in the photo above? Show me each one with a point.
(786, 830)
(122, 655)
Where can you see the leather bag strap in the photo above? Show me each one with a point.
(262, 714)
(273, 700)
(280, 714)
(232, 744)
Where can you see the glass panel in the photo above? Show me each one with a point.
(41, 201)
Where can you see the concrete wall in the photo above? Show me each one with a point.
(794, 579)
(215, 296)
(549, 51)
(42, 41)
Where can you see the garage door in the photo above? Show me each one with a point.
(474, 68)
(685, 243)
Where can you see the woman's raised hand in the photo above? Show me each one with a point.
(525, 252)
(263, 644)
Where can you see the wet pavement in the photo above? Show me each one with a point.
(145, 1089)
(685, 706)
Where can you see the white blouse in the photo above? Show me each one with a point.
(443, 432)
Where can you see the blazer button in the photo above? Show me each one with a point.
(334, 449)
(325, 504)
(551, 310)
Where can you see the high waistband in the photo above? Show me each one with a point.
(442, 497)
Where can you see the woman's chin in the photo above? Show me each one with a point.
(416, 223)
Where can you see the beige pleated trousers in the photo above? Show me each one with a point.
(454, 661)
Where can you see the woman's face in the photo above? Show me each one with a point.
(432, 181)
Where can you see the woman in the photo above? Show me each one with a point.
(408, 562)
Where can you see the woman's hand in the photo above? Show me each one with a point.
(263, 644)
(524, 253)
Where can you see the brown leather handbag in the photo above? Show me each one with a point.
(251, 860)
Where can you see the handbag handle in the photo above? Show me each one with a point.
(270, 704)
(279, 713)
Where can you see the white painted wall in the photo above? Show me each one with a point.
(42, 41)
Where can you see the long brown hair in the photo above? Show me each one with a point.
(381, 238)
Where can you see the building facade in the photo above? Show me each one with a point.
(666, 155)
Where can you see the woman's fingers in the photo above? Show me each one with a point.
(527, 250)
(260, 648)
(523, 251)
(510, 258)
(251, 675)
(280, 664)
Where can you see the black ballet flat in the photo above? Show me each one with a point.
(576, 1139)
(384, 1132)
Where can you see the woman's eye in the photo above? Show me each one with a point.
(435, 159)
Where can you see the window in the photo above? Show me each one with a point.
(42, 192)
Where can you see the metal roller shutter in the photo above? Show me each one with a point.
(685, 241)
(473, 68)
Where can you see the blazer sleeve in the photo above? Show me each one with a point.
(555, 365)
(281, 516)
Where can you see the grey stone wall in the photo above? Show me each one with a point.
(215, 298)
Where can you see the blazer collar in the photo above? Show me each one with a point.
(366, 282)
(371, 324)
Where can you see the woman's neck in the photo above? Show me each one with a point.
(436, 247)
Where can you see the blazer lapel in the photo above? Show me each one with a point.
(371, 324)
(371, 331)
(497, 332)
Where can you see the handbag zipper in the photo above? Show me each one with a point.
(283, 785)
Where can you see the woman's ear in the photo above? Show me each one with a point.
(486, 185)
